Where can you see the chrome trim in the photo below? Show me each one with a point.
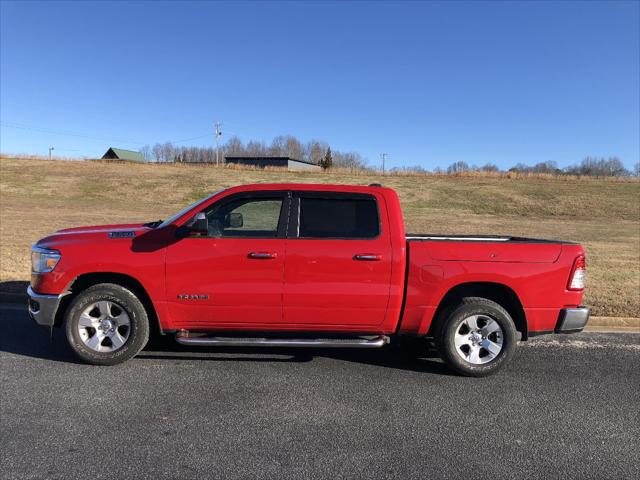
(572, 320)
(261, 255)
(44, 250)
(467, 239)
(45, 315)
(377, 342)
(41, 296)
(122, 234)
(367, 257)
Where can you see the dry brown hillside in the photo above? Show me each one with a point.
(38, 196)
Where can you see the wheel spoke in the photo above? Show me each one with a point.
(95, 342)
(117, 340)
(472, 322)
(474, 355)
(461, 340)
(87, 320)
(490, 327)
(122, 319)
(105, 308)
(491, 347)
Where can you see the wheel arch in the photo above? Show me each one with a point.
(86, 280)
(500, 293)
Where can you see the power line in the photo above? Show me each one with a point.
(69, 133)
(192, 138)
(89, 136)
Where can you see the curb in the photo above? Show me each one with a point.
(613, 324)
(629, 322)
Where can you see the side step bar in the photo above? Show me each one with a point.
(376, 342)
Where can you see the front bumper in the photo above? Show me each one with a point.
(572, 320)
(43, 308)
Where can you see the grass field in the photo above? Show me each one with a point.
(39, 196)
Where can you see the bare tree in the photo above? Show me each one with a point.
(234, 147)
(145, 151)
(599, 167)
(351, 160)
(489, 167)
(545, 167)
(255, 149)
(168, 152)
(293, 148)
(157, 152)
(458, 167)
(314, 151)
(278, 146)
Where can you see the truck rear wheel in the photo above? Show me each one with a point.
(106, 324)
(477, 338)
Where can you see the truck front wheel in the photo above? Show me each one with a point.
(106, 324)
(477, 337)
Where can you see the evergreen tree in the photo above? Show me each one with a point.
(327, 161)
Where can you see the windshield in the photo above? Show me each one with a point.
(175, 217)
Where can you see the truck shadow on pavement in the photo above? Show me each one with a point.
(20, 336)
(397, 357)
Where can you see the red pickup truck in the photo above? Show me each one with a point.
(300, 265)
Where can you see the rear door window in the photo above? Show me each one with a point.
(348, 218)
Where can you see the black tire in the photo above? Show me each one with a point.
(137, 332)
(452, 323)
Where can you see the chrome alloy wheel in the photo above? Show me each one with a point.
(104, 326)
(478, 339)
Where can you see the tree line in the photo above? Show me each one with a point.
(314, 151)
(590, 166)
(320, 153)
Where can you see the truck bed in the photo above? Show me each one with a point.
(485, 248)
(425, 237)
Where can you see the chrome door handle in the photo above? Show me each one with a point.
(261, 255)
(367, 257)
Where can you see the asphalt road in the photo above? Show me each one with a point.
(566, 407)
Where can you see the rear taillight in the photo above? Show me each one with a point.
(578, 274)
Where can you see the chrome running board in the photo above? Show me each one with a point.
(184, 338)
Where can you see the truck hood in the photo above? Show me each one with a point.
(123, 227)
(94, 233)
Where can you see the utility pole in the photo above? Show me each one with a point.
(218, 133)
(50, 148)
(384, 158)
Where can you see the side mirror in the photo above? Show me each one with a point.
(234, 220)
(199, 225)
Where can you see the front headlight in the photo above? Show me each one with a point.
(43, 260)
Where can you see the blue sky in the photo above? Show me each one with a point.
(429, 83)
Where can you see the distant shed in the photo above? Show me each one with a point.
(121, 154)
(278, 162)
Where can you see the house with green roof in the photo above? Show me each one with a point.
(121, 154)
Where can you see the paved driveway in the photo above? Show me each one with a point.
(567, 407)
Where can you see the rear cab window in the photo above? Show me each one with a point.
(337, 216)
